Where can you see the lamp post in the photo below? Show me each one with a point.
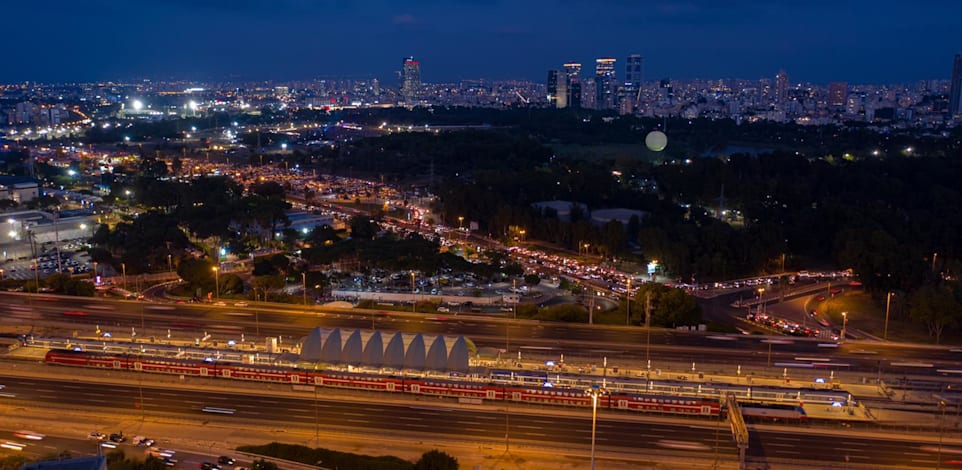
(1, 274)
(938, 463)
(761, 299)
(170, 264)
(304, 285)
(844, 324)
(36, 274)
(888, 304)
(594, 391)
(628, 305)
(123, 269)
(414, 299)
(216, 282)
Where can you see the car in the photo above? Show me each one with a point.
(117, 437)
(220, 304)
(33, 436)
(225, 460)
(97, 436)
(142, 441)
(75, 313)
(209, 466)
(160, 453)
(241, 304)
(169, 461)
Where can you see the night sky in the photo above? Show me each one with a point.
(859, 41)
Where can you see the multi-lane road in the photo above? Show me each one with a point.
(621, 345)
(523, 425)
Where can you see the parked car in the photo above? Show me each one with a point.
(97, 436)
(118, 437)
(225, 460)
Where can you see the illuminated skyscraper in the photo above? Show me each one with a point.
(573, 84)
(633, 76)
(781, 87)
(605, 84)
(552, 88)
(955, 93)
(837, 93)
(410, 80)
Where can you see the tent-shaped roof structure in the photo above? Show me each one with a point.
(378, 349)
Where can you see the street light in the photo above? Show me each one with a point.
(594, 391)
(460, 222)
(844, 324)
(170, 264)
(216, 282)
(414, 298)
(761, 299)
(888, 304)
(123, 269)
(628, 305)
(304, 283)
(938, 463)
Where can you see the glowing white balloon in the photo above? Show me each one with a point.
(656, 141)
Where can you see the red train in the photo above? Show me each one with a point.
(386, 383)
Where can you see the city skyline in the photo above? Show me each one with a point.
(855, 42)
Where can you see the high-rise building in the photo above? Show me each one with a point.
(837, 93)
(781, 87)
(633, 73)
(589, 93)
(410, 80)
(955, 92)
(552, 88)
(573, 84)
(605, 84)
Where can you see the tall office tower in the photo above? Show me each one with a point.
(781, 87)
(410, 80)
(589, 93)
(605, 84)
(837, 94)
(573, 84)
(552, 88)
(955, 93)
(574, 95)
(633, 75)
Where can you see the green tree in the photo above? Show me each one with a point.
(198, 273)
(436, 460)
(937, 308)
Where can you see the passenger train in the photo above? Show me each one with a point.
(540, 393)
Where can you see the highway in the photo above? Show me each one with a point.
(618, 432)
(541, 340)
(405, 420)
